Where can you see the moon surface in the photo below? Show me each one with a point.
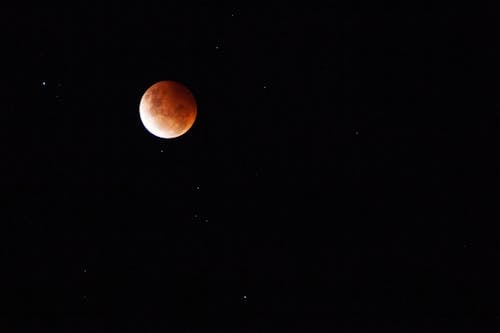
(167, 109)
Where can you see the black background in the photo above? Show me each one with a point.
(338, 175)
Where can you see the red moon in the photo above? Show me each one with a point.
(167, 109)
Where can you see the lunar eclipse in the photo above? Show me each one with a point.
(167, 109)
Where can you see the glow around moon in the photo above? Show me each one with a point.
(167, 109)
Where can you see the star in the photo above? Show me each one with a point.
(161, 150)
(44, 83)
(356, 132)
(85, 270)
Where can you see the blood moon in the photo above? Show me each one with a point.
(167, 109)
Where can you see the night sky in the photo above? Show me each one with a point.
(336, 177)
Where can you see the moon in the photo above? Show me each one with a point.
(167, 109)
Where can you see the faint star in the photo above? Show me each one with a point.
(265, 87)
(85, 270)
(161, 150)
(356, 133)
(206, 220)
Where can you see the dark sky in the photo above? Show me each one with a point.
(336, 175)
